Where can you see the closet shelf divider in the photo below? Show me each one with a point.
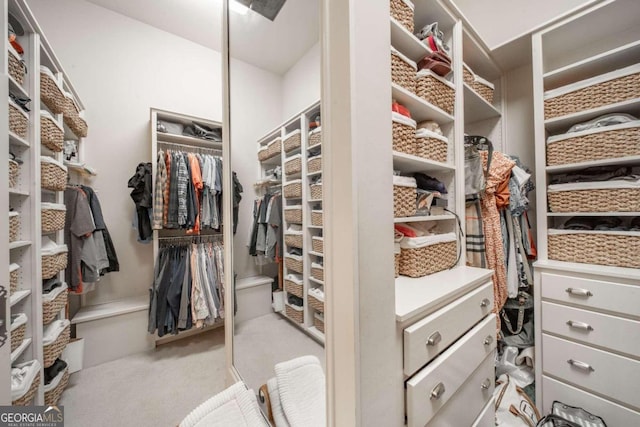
(420, 109)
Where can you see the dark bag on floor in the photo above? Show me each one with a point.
(561, 414)
(516, 312)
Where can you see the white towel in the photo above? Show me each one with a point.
(53, 331)
(404, 181)
(317, 293)
(419, 242)
(276, 406)
(302, 391)
(634, 182)
(22, 376)
(50, 296)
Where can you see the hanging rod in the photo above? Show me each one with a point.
(194, 239)
(181, 147)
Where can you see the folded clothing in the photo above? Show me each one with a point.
(317, 293)
(54, 292)
(629, 182)
(53, 331)
(50, 284)
(609, 223)
(294, 228)
(431, 126)
(22, 377)
(296, 278)
(420, 242)
(404, 181)
(316, 265)
(402, 119)
(18, 320)
(602, 121)
(52, 371)
(294, 300)
(425, 182)
(426, 133)
(598, 173)
(49, 247)
(295, 253)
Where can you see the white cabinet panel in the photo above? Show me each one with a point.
(487, 417)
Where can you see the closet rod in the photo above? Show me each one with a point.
(180, 147)
(194, 239)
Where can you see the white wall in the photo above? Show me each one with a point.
(301, 83)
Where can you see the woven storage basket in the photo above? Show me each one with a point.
(316, 218)
(51, 397)
(318, 323)
(294, 240)
(293, 190)
(404, 201)
(604, 200)
(293, 314)
(293, 288)
(14, 171)
(17, 336)
(50, 93)
(317, 243)
(315, 303)
(27, 398)
(14, 226)
(596, 248)
(483, 89)
(53, 264)
(315, 138)
(314, 164)
(50, 309)
(293, 166)
(52, 351)
(404, 137)
(274, 148)
(293, 215)
(14, 276)
(18, 120)
(600, 144)
(611, 91)
(427, 260)
(17, 68)
(293, 264)
(317, 273)
(402, 12)
(53, 176)
(432, 147)
(292, 141)
(53, 217)
(403, 71)
(396, 258)
(71, 116)
(51, 135)
(467, 75)
(435, 90)
(263, 154)
(316, 191)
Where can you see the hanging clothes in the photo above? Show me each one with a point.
(140, 182)
(265, 240)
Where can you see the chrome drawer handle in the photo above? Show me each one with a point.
(579, 325)
(485, 302)
(488, 340)
(579, 292)
(437, 391)
(485, 384)
(581, 365)
(434, 338)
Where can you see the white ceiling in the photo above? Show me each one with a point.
(273, 46)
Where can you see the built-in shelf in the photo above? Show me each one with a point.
(476, 108)
(562, 123)
(315, 333)
(18, 296)
(16, 88)
(15, 354)
(562, 214)
(90, 313)
(17, 140)
(17, 192)
(314, 147)
(316, 253)
(316, 281)
(622, 161)
(590, 269)
(187, 140)
(409, 163)
(315, 227)
(314, 200)
(311, 174)
(80, 168)
(420, 109)
(273, 161)
(424, 218)
(293, 177)
(406, 43)
(19, 244)
(270, 136)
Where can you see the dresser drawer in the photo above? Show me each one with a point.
(427, 338)
(612, 413)
(611, 332)
(472, 396)
(432, 387)
(487, 417)
(596, 370)
(596, 294)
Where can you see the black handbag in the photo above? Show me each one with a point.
(516, 312)
(570, 416)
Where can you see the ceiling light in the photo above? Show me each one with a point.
(238, 7)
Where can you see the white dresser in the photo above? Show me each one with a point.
(448, 338)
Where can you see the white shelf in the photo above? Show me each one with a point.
(292, 177)
(15, 354)
(16, 192)
(273, 161)
(316, 254)
(18, 296)
(591, 269)
(420, 109)
(314, 200)
(316, 281)
(16, 88)
(604, 162)
(316, 146)
(311, 174)
(315, 333)
(101, 311)
(407, 43)
(562, 214)
(19, 244)
(409, 163)
(17, 140)
(81, 169)
(476, 108)
(315, 227)
(562, 123)
(187, 140)
(424, 218)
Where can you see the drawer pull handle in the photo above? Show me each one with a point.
(579, 292)
(485, 384)
(579, 325)
(434, 338)
(488, 340)
(437, 391)
(581, 365)
(485, 302)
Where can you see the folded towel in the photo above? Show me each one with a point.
(301, 384)
(49, 247)
(53, 331)
(18, 320)
(296, 278)
(402, 119)
(317, 293)
(22, 376)
(420, 242)
(404, 181)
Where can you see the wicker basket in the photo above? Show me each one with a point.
(293, 288)
(607, 92)
(435, 90)
(52, 351)
(432, 147)
(404, 201)
(14, 171)
(318, 323)
(467, 75)
(50, 93)
(294, 240)
(18, 120)
(27, 398)
(293, 264)
(314, 164)
(315, 138)
(402, 12)
(50, 309)
(293, 166)
(274, 148)
(427, 260)
(294, 314)
(317, 243)
(14, 226)
(293, 141)
(51, 135)
(53, 217)
(403, 71)
(316, 191)
(404, 137)
(315, 303)
(17, 68)
(483, 89)
(397, 264)
(293, 190)
(317, 273)
(599, 144)
(316, 218)
(53, 176)
(53, 264)
(603, 200)
(17, 336)
(293, 214)
(263, 154)
(14, 276)
(52, 396)
(71, 116)
(596, 248)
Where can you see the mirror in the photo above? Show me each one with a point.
(276, 152)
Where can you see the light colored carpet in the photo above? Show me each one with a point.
(155, 388)
(262, 342)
